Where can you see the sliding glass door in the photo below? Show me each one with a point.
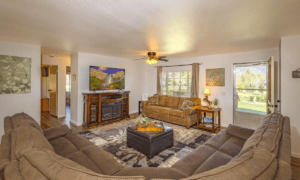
(250, 93)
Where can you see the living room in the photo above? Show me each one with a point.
(212, 36)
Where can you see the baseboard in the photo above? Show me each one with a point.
(224, 125)
(132, 112)
(74, 122)
(61, 116)
(296, 155)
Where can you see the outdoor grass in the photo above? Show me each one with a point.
(254, 107)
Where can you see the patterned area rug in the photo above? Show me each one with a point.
(112, 138)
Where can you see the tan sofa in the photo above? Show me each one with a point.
(29, 153)
(168, 110)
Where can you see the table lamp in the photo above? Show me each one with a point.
(207, 93)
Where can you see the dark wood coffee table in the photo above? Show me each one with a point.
(150, 143)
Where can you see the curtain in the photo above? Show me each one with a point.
(195, 80)
(159, 77)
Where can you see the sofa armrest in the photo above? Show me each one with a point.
(189, 111)
(145, 103)
(240, 132)
(56, 132)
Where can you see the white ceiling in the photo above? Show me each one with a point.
(130, 28)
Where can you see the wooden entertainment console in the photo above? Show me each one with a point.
(100, 108)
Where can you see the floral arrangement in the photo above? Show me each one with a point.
(142, 121)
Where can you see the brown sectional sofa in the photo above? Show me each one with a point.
(168, 110)
(27, 152)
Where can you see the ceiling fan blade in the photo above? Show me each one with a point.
(160, 57)
(163, 60)
(140, 59)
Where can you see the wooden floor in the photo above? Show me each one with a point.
(48, 121)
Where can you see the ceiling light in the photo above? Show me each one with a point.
(151, 61)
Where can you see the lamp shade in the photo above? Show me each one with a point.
(206, 91)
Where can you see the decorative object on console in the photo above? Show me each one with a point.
(215, 77)
(152, 58)
(216, 103)
(296, 74)
(208, 103)
(15, 75)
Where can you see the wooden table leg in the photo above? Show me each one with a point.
(213, 122)
(219, 119)
(198, 119)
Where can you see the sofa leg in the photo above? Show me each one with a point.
(188, 127)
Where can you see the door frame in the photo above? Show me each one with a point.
(261, 62)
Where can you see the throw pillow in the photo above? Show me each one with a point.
(185, 104)
(153, 100)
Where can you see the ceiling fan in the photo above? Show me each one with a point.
(152, 58)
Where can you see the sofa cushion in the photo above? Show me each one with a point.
(8, 127)
(63, 146)
(5, 151)
(162, 99)
(185, 104)
(177, 113)
(151, 108)
(267, 135)
(78, 141)
(286, 125)
(153, 100)
(98, 156)
(56, 167)
(25, 138)
(252, 165)
(215, 160)
(56, 132)
(172, 102)
(151, 172)
(21, 119)
(218, 140)
(181, 101)
(80, 158)
(195, 101)
(164, 110)
(12, 171)
(190, 163)
(28, 171)
(240, 132)
(232, 146)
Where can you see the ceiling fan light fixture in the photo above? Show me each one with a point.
(151, 61)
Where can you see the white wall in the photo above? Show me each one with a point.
(214, 61)
(290, 88)
(62, 62)
(74, 88)
(133, 79)
(29, 103)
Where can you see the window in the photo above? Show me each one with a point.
(177, 83)
(68, 82)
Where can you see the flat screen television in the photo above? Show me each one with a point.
(104, 78)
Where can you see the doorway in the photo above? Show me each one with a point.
(250, 93)
(68, 92)
(49, 89)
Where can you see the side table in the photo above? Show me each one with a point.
(205, 110)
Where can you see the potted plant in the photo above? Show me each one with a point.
(216, 103)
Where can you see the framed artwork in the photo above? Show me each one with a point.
(215, 77)
(15, 75)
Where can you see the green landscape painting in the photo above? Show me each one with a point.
(15, 75)
(103, 78)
